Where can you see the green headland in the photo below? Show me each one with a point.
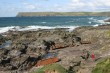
(34, 14)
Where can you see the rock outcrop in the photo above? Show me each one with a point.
(27, 47)
(108, 20)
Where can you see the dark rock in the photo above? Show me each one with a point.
(5, 61)
(48, 44)
(2, 39)
(76, 41)
(108, 20)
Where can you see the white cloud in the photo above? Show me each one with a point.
(77, 3)
(88, 5)
(102, 2)
(30, 6)
(70, 6)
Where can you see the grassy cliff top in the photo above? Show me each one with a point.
(34, 14)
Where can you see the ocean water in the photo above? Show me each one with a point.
(46, 22)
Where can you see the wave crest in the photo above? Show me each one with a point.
(33, 28)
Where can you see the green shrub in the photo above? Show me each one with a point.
(102, 67)
(55, 66)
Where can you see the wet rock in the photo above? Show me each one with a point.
(18, 62)
(4, 51)
(49, 45)
(21, 47)
(2, 39)
(108, 20)
(4, 61)
(76, 40)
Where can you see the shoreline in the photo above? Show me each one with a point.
(45, 25)
(38, 28)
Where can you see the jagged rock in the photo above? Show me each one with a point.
(4, 51)
(27, 47)
(108, 20)
(14, 53)
(17, 62)
(4, 61)
(2, 39)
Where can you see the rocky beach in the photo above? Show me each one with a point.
(26, 48)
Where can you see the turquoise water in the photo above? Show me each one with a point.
(51, 21)
(48, 22)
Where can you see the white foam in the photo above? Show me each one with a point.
(33, 28)
(91, 18)
(96, 25)
(71, 28)
(103, 22)
(89, 22)
(106, 18)
(5, 29)
(43, 22)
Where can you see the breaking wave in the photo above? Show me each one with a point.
(33, 28)
(34, 24)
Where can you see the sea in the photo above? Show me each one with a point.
(49, 22)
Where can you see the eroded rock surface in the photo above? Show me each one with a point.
(27, 48)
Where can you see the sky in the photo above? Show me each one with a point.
(10, 8)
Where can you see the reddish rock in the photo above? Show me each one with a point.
(47, 61)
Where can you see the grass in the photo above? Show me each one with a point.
(102, 67)
(54, 66)
(108, 33)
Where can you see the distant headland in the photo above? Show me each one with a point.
(35, 14)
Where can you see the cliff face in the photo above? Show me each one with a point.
(34, 14)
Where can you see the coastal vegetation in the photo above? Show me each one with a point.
(108, 33)
(34, 14)
(51, 67)
(102, 67)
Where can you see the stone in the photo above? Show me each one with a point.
(14, 53)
